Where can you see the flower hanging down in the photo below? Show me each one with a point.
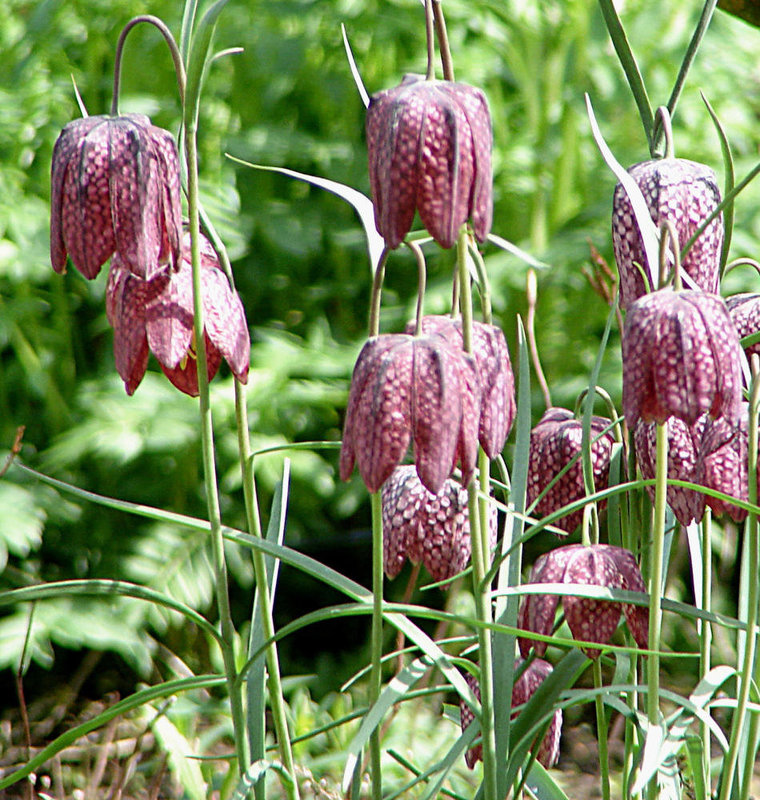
(115, 188)
(411, 388)
(589, 619)
(495, 376)
(683, 193)
(157, 315)
(554, 443)
(432, 529)
(681, 358)
(744, 310)
(533, 675)
(429, 146)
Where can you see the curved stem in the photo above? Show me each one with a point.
(668, 236)
(421, 280)
(662, 119)
(179, 67)
(532, 294)
(377, 291)
(443, 41)
(484, 285)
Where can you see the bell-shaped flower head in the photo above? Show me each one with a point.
(432, 529)
(411, 388)
(524, 687)
(681, 358)
(589, 619)
(115, 187)
(683, 193)
(554, 443)
(157, 315)
(429, 146)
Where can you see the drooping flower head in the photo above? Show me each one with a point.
(432, 529)
(157, 315)
(429, 146)
(495, 376)
(554, 443)
(744, 310)
(683, 193)
(681, 358)
(589, 619)
(115, 187)
(524, 687)
(411, 388)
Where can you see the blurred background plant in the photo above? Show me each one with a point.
(301, 267)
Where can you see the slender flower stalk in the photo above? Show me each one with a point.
(746, 672)
(480, 558)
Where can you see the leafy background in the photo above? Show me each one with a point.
(300, 263)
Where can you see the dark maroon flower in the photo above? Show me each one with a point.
(426, 528)
(158, 314)
(744, 310)
(684, 443)
(115, 188)
(554, 443)
(406, 388)
(681, 357)
(589, 620)
(495, 376)
(429, 146)
(534, 674)
(684, 193)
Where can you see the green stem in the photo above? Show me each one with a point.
(376, 674)
(179, 67)
(207, 451)
(601, 731)
(746, 672)
(481, 589)
(705, 629)
(655, 585)
(447, 62)
(377, 293)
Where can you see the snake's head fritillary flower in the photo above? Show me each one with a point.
(157, 315)
(115, 187)
(722, 464)
(681, 358)
(495, 376)
(429, 146)
(530, 678)
(554, 443)
(683, 193)
(744, 310)
(432, 529)
(684, 443)
(410, 388)
(589, 619)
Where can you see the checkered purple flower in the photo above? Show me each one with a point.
(684, 193)
(534, 674)
(115, 187)
(411, 389)
(554, 443)
(432, 529)
(157, 315)
(429, 146)
(744, 310)
(589, 620)
(681, 358)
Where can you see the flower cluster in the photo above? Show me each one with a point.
(116, 194)
(427, 390)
